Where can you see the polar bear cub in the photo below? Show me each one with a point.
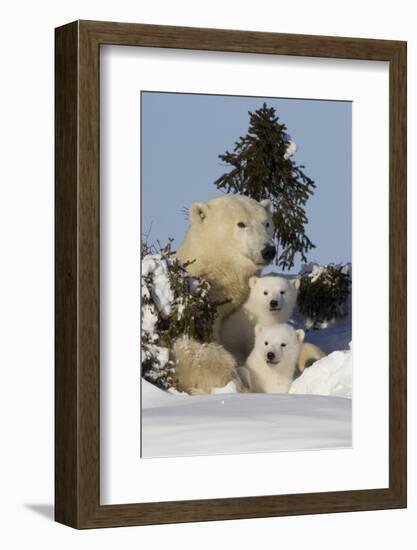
(271, 365)
(271, 301)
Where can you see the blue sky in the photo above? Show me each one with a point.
(183, 134)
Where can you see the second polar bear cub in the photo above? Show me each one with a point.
(271, 300)
(272, 363)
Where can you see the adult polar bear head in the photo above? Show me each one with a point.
(229, 239)
(235, 229)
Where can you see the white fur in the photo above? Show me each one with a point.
(271, 301)
(272, 363)
(231, 228)
(224, 245)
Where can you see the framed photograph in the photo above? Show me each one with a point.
(230, 274)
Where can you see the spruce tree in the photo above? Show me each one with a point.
(262, 168)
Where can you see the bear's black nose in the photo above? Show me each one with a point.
(270, 356)
(268, 253)
(273, 303)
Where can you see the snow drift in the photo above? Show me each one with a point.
(332, 375)
(230, 423)
(183, 425)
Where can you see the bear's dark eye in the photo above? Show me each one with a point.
(282, 292)
(283, 345)
(266, 292)
(267, 224)
(266, 343)
(241, 224)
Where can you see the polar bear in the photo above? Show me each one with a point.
(271, 300)
(213, 367)
(309, 354)
(229, 239)
(271, 366)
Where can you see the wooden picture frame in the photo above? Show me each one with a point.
(77, 373)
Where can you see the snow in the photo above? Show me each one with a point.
(228, 388)
(332, 375)
(183, 425)
(291, 150)
(149, 319)
(156, 269)
(161, 354)
(314, 270)
(162, 293)
(335, 337)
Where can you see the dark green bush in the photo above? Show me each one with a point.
(324, 292)
(174, 304)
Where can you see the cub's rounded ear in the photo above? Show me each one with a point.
(300, 335)
(252, 281)
(198, 212)
(295, 283)
(258, 329)
(267, 204)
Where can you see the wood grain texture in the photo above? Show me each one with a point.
(66, 238)
(78, 286)
(398, 273)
